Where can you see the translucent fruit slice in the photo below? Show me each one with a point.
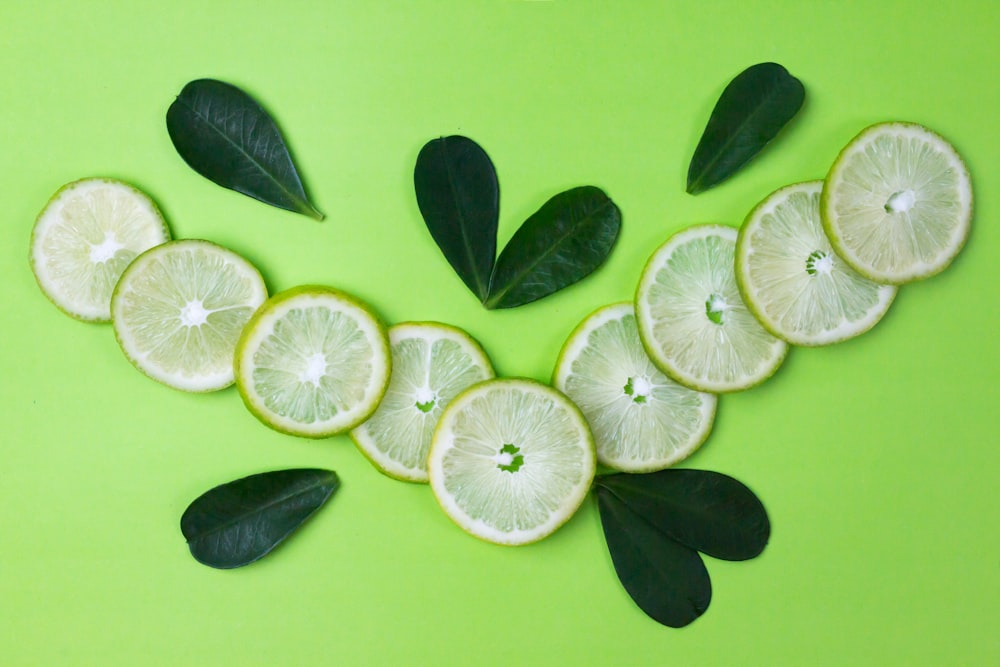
(791, 279)
(642, 420)
(313, 361)
(85, 237)
(511, 460)
(431, 364)
(178, 311)
(897, 203)
(692, 321)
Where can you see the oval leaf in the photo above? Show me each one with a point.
(563, 242)
(459, 198)
(751, 111)
(237, 523)
(666, 579)
(224, 135)
(701, 509)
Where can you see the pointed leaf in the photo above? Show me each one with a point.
(563, 242)
(459, 198)
(701, 509)
(667, 580)
(224, 135)
(237, 523)
(751, 111)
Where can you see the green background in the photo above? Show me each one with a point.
(876, 458)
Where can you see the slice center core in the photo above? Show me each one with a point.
(819, 262)
(714, 307)
(193, 314)
(509, 458)
(315, 368)
(106, 249)
(901, 201)
(639, 388)
(424, 399)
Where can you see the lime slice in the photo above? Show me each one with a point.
(178, 311)
(897, 203)
(791, 279)
(85, 237)
(641, 419)
(511, 460)
(431, 364)
(313, 361)
(692, 321)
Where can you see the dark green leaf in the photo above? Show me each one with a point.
(563, 242)
(459, 198)
(751, 111)
(224, 135)
(237, 523)
(667, 580)
(701, 509)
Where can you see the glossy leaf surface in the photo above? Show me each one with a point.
(563, 242)
(459, 199)
(237, 523)
(751, 111)
(225, 135)
(700, 509)
(667, 580)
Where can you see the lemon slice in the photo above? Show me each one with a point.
(313, 361)
(511, 460)
(431, 364)
(642, 420)
(178, 311)
(791, 279)
(85, 237)
(897, 203)
(692, 321)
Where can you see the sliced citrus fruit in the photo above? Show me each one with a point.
(511, 460)
(178, 311)
(313, 361)
(84, 238)
(642, 420)
(431, 364)
(692, 321)
(791, 279)
(897, 203)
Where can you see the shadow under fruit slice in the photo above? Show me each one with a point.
(313, 361)
(178, 311)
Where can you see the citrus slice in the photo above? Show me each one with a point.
(83, 239)
(692, 321)
(431, 364)
(642, 420)
(791, 279)
(511, 460)
(897, 203)
(178, 311)
(313, 361)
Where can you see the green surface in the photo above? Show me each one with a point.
(876, 458)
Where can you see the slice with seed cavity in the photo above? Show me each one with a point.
(791, 279)
(641, 419)
(692, 321)
(84, 238)
(431, 364)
